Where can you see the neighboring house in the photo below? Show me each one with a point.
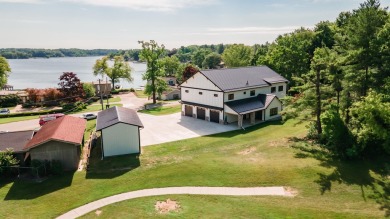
(172, 92)
(21, 93)
(59, 139)
(234, 95)
(104, 87)
(120, 132)
(16, 141)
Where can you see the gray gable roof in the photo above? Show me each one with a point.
(229, 79)
(15, 140)
(259, 102)
(116, 115)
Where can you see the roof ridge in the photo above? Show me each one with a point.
(233, 68)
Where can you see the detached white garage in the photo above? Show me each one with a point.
(119, 131)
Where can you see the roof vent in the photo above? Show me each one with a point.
(247, 83)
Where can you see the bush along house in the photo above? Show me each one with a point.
(248, 94)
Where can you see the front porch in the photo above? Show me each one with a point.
(245, 119)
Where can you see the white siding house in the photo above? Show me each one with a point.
(119, 131)
(234, 95)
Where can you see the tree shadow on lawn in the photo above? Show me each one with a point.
(247, 130)
(22, 189)
(110, 167)
(352, 172)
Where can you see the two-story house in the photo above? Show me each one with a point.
(234, 95)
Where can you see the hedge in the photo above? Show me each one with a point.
(32, 113)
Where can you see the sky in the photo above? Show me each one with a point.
(120, 24)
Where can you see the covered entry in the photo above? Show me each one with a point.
(201, 113)
(214, 116)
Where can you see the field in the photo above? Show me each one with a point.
(264, 155)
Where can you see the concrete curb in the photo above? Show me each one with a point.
(228, 191)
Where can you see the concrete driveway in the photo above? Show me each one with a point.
(161, 129)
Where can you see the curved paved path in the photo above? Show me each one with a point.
(232, 191)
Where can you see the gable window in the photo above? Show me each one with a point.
(215, 95)
(200, 93)
(273, 89)
(231, 97)
(253, 92)
(187, 91)
(280, 88)
(273, 111)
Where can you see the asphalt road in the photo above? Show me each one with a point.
(27, 125)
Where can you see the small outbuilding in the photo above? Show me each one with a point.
(59, 139)
(120, 132)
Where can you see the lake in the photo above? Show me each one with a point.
(45, 73)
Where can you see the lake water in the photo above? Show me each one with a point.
(45, 73)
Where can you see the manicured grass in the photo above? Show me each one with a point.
(114, 99)
(258, 156)
(93, 108)
(17, 119)
(162, 110)
(91, 125)
(140, 94)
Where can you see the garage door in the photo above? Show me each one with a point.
(201, 113)
(188, 110)
(214, 116)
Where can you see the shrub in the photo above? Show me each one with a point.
(9, 100)
(56, 167)
(6, 160)
(74, 107)
(89, 90)
(31, 113)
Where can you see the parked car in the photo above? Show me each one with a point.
(4, 111)
(89, 116)
(46, 118)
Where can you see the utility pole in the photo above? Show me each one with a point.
(105, 87)
(101, 95)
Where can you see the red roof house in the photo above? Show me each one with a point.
(59, 139)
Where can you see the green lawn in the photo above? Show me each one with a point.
(162, 110)
(259, 156)
(114, 99)
(93, 108)
(17, 119)
(91, 125)
(140, 94)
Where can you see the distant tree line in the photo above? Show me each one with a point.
(24, 53)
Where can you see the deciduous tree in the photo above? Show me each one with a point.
(120, 69)
(212, 61)
(151, 52)
(5, 70)
(70, 87)
(237, 55)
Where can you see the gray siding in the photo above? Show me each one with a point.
(68, 154)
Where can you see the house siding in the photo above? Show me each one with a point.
(275, 103)
(121, 139)
(201, 82)
(68, 154)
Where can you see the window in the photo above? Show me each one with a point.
(200, 93)
(215, 95)
(273, 111)
(280, 88)
(244, 92)
(273, 89)
(253, 92)
(187, 91)
(231, 97)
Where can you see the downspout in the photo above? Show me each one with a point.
(101, 144)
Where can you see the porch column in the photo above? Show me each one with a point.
(239, 121)
(252, 115)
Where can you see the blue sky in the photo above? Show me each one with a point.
(120, 24)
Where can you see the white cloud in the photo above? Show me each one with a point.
(253, 30)
(147, 5)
